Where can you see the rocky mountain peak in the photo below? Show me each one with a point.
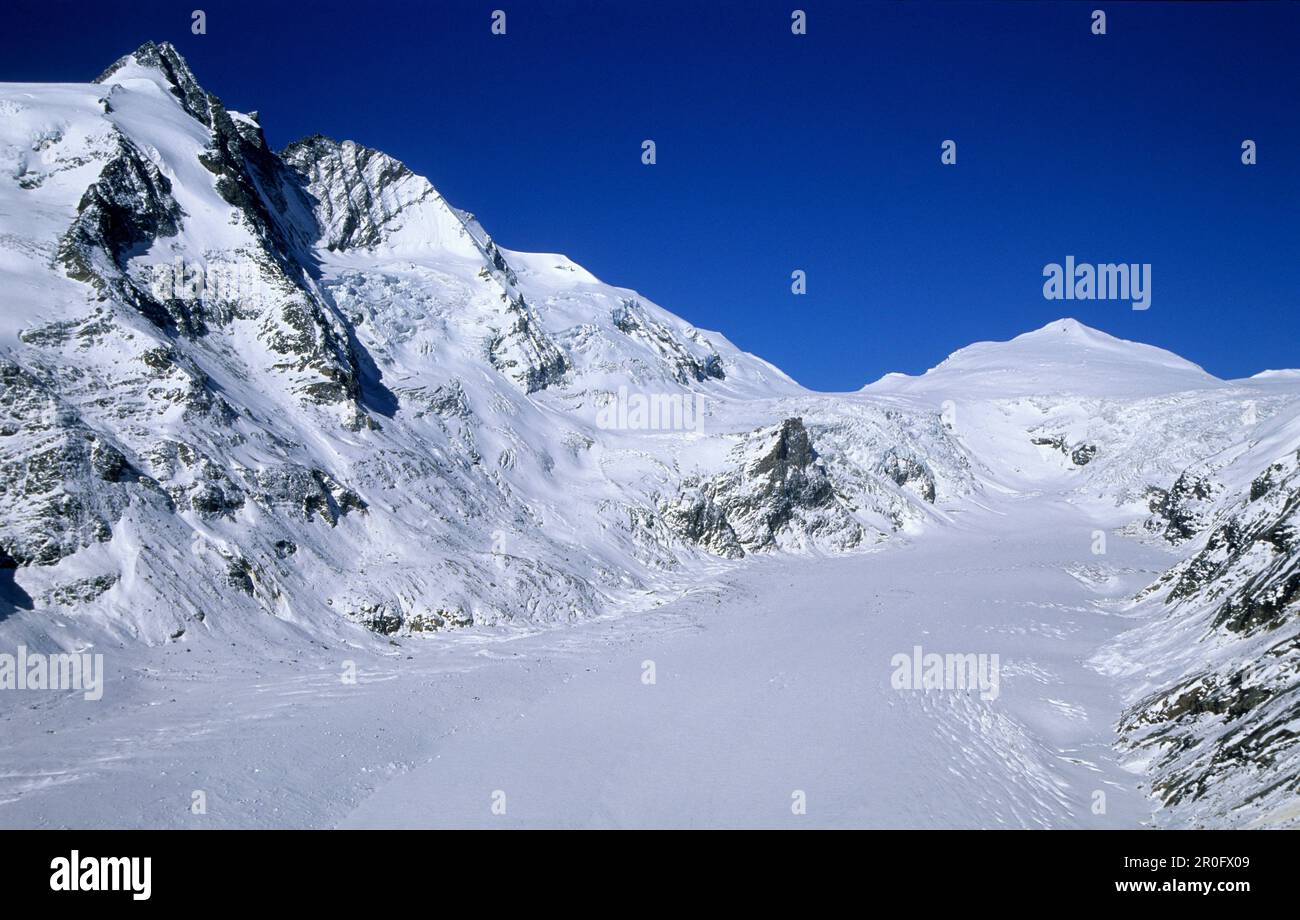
(791, 451)
(361, 193)
(164, 59)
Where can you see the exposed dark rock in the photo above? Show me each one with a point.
(168, 60)
(349, 184)
(631, 319)
(380, 617)
(1265, 602)
(1265, 482)
(304, 492)
(523, 353)
(127, 208)
(239, 575)
(194, 480)
(1080, 454)
(440, 619)
(908, 471)
(1236, 715)
(81, 591)
(698, 519)
(62, 486)
(1179, 513)
(780, 487)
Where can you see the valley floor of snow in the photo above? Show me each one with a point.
(771, 683)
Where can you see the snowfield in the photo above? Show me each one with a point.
(773, 680)
(404, 528)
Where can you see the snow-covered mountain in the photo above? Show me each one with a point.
(378, 415)
(248, 395)
(1207, 467)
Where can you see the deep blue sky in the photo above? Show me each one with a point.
(819, 152)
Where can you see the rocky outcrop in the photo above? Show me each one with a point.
(523, 353)
(305, 493)
(388, 619)
(128, 207)
(1080, 454)
(164, 57)
(359, 194)
(1224, 731)
(1181, 511)
(909, 472)
(631, 319)
(695, 516)
(778, 494)
(194, 480)
(62, 484)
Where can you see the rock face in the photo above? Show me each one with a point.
(782, 480)
(1223, 731)
(524, 354)
(631, 319)
(360, 194)
(778, 494)
(909, 472)
(696, 517)
(363, 199)
(177, 76)
(1180, 512)
(131, 205)
(62, 485)
(1080, 454)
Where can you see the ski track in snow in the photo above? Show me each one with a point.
(776, 680)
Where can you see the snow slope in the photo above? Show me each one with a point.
(773, 679)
